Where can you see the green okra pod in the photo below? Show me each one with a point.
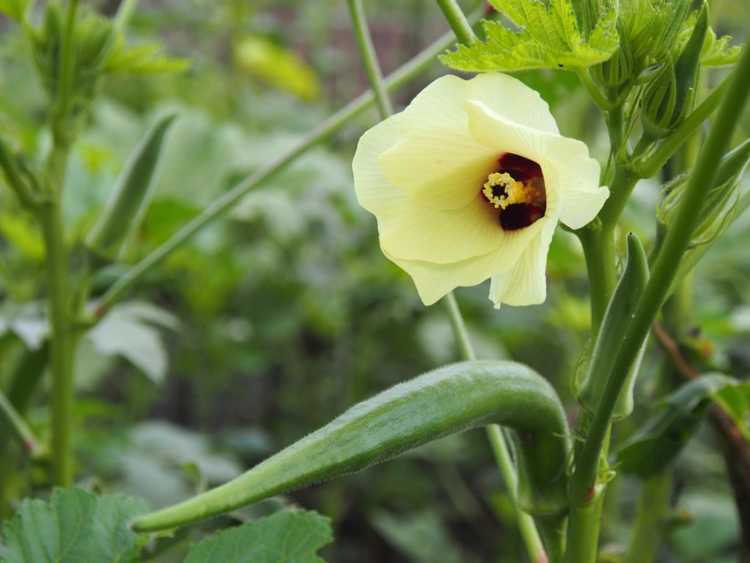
(619, 312)
(441, 402)
(131, 197)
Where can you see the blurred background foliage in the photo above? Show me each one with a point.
(272, 321)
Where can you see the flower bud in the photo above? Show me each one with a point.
(720, 199)
(667, 98)
(93, 38)
(618, 71)
(619, 312)
(131, 197)
(660, 102)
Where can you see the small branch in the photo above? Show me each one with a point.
(369, 58)
(458, 22)
(526, 526)
(18, 427)
(673, 351)
(459, 328)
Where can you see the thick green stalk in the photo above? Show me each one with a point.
(599, 250)
(63, 101)
(665, 267)
(651, 513)
(369, 58)
(458, 22)
(224, 203)
(622, 186)
(50, 215)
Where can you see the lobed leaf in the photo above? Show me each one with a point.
(548, 36)
(74, 526)
(288, 536)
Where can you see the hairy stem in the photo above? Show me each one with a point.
(50, 215)
(663, 273)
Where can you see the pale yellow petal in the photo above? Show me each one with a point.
(374, 192)
(434, 281)
(443, 236)
(512, 99)
(575, 176)
(441, 103)
(524, 283)
(502, 135)
(441, 168)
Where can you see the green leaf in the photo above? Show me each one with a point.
(14, 9)
(74, 526)
(717, 51)
(128, 331)
(665, 435)
(146, 58)
(442, 402)
(289, 536)
(735, 401)
(548, 36)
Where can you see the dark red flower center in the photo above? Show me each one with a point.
(516, 191)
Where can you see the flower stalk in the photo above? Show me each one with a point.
(495, 435)
(458, 22)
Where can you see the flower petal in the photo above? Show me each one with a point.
(374, 192)
(441, 103)
(433, 280)
(442, 168)
(524, 283)
(443, 236)
(577, 178)
(512, 99)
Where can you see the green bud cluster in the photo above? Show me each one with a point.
(720, 201)
(648, 31)
(93, 39)
(667, 97)
(620, 310)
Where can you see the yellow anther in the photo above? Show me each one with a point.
(502, 190)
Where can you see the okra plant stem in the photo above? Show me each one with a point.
(58, 282)
(677, 238)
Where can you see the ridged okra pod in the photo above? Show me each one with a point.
(444, 401)
(131, 196)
